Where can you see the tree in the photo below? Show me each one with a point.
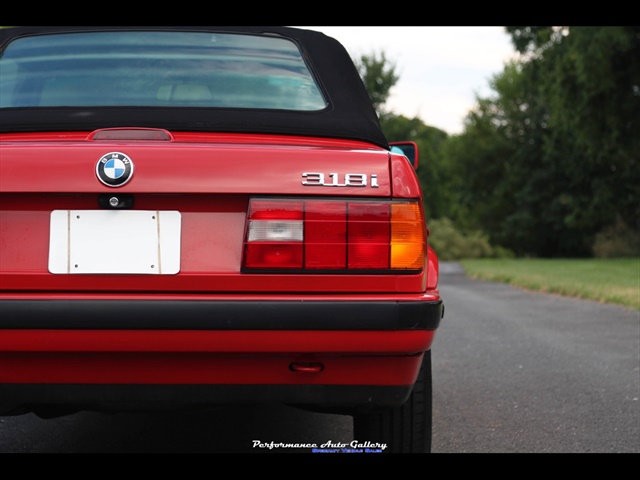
(549, 163)
(552, 159)
(589, 78)
(379, 77)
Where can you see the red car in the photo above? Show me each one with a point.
(200, 216)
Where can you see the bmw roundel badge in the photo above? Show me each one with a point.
(114, 169)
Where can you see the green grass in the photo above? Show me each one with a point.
(615, 281)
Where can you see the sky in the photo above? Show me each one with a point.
(441, 69)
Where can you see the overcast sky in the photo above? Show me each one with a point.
(440, 69)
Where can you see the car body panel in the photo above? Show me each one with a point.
(193, 167)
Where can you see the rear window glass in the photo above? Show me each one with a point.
(133, 68)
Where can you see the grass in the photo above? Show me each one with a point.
(615, 281)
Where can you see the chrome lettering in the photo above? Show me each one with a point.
(334, 181)
(313, 179)
(355, 180)
(316, 179)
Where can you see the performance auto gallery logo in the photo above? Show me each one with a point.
(328, 447)
(114, 169)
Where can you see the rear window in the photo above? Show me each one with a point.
(136, 68)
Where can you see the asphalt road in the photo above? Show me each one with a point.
(524, 372)
(513, 371)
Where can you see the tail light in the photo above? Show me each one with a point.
(345, 235)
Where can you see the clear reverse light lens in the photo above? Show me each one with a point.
(275, 231)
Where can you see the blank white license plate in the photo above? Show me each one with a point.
(115, 241)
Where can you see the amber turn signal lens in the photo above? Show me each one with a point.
(407, 236)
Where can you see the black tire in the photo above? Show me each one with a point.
(404, 429)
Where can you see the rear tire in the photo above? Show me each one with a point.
(404, 429)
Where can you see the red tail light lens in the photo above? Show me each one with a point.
(369, 235)
(325, 235)
(334, 235)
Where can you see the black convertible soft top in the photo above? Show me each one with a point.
(349, 114)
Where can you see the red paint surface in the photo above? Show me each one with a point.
(226, 357)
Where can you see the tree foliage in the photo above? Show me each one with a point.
(592, 86)
(379, 77)
(559, 142)
(548, 165)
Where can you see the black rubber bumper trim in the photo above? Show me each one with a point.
(219, 315)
